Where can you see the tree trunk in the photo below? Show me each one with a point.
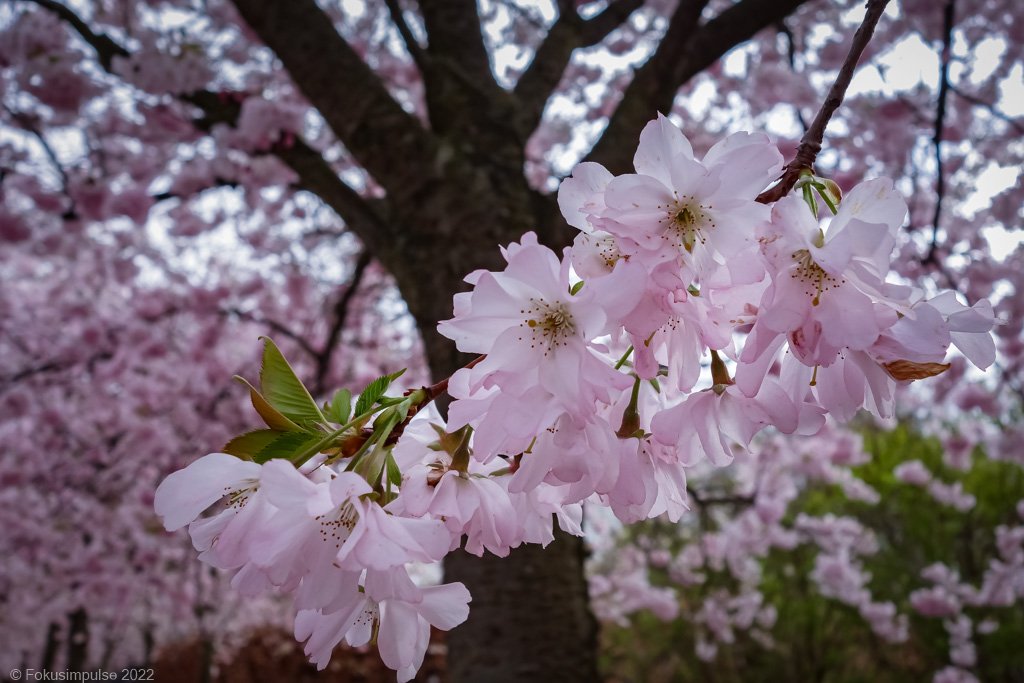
(530, 617)
(78, 640)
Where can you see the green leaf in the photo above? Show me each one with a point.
(287, 445)
(394, 473)
(270, 415)
(249, 444)
(575, 288)
(374, 390)
(282, 388)
(340, 407)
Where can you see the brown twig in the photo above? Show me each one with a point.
(988, 106)
(704, 502)
(810, 144)
(341, 313)
(435, 390)
(412, 46)
(940, 124)
(28, 123)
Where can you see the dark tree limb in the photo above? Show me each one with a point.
(810, 144)
(412, 46)
(568, 33)
(454, 37)
(106, 48)
(383, 137)
(682, 54)
(468, 109)
(340, 314)
(940, 124)
(703, 501)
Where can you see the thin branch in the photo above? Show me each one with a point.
(717, 500)
(975, 100)
(275, 326)
(435, 390)
(106, 48)
(569, 32)
(680, 56)
(791, 58)
(412, 45)
(367, 220)
(810, 144)
(341, 311)
(29, 125)
(53, 366)
(389, 142)
(940, 124)
(528, 16)
(28, 372)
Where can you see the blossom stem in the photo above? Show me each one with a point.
(810, 144)
(322, 443)
(625, 357)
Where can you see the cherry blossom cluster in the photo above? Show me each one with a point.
(686, 318)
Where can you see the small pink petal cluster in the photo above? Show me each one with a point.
(607, 372)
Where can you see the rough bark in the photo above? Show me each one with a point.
(529, 619)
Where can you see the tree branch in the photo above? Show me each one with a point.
(454, 37)
(341, 311)
(680, 56)
(810, 144)
(315, 174)
(568, 33)
(29, 125)
(387, 141)
(977, 101)
(940, 124)
(412, 45)
(704, 502)
(106, 48)
(614, 15)
(275, 326)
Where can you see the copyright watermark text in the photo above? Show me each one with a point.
(18, 675)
